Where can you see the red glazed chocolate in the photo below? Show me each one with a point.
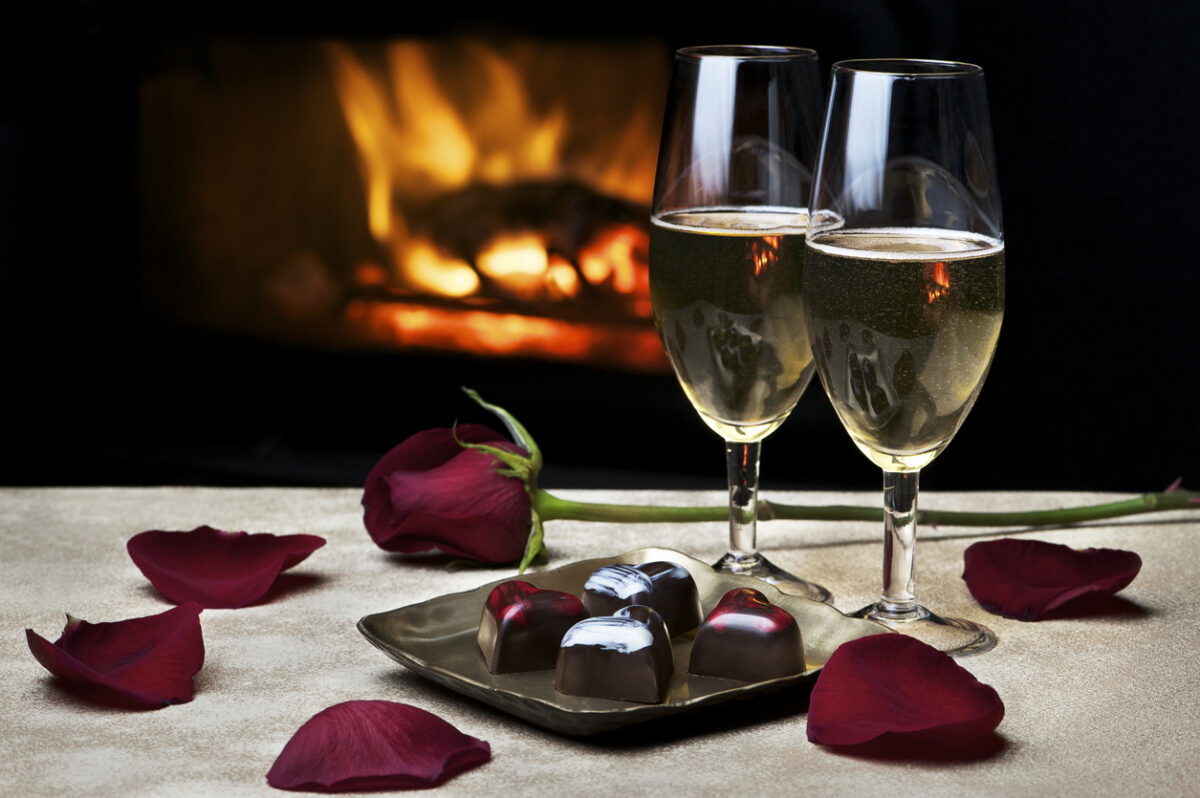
(625, 656)
(666, 587)
(522, 626)
(747, 638)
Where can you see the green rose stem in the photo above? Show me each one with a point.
(548, 507)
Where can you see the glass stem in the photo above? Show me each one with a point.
(742, 467)
(898, 601)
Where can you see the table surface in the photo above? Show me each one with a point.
(1104, 704)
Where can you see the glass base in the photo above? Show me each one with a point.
(760, 567)
(955, 636)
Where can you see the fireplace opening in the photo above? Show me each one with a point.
(463, 195)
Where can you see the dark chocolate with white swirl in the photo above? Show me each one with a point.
(625, 657)
(665, 586)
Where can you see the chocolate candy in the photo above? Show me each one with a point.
(747, 638)
(522, 626)
(625, 656)
(665, 586)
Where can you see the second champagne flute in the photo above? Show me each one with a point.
(904, 288)
(726, 242)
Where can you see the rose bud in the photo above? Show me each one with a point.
(432, 493)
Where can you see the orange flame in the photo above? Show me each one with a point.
(432, 119)
(764, 251)
(444, 117)
(507, 334)
(937, 279)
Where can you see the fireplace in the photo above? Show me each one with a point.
(467, 195)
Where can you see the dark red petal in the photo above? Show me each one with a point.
(895, 684)
(1028, 579)
(374, 745)
(215, 568)
(150, 661)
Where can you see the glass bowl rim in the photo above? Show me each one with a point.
(745, 52)
(909, 67)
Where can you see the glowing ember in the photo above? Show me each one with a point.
(431, 271)
(506, 334)
(517, 261)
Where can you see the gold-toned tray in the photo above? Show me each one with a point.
(437, 639)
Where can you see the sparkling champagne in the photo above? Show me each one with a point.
(725, 285)
(904, 323)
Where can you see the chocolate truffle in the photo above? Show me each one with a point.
(625, 656)
(522, 626)
(747, 638)
(665, 586)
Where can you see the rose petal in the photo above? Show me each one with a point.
(374, 745)
(1027, 579)
(215, 568)
(895, 684)
(431, 494)
(149, 661)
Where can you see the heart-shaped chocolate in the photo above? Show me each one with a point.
(747, 638)
(522, 626)
(625, 656)
(665, 586)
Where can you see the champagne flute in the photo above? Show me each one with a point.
(904, 288)
(726, 239)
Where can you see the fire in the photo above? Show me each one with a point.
(937, 279)
(765, 252)
(615, 255)
(506, 334)
(430, 270)
(411, 133)
(450, 137)
(519, 262)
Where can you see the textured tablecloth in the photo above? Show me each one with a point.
(1094, 706)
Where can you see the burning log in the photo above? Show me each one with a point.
(566, 216)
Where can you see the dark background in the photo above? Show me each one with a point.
(1093, 105)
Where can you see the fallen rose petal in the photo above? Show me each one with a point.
(374, 745)
(149, 661)
(896, 685)
(1028, 579)
(431, 494)
(220, 570)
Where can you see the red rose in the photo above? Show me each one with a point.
(431, 493)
